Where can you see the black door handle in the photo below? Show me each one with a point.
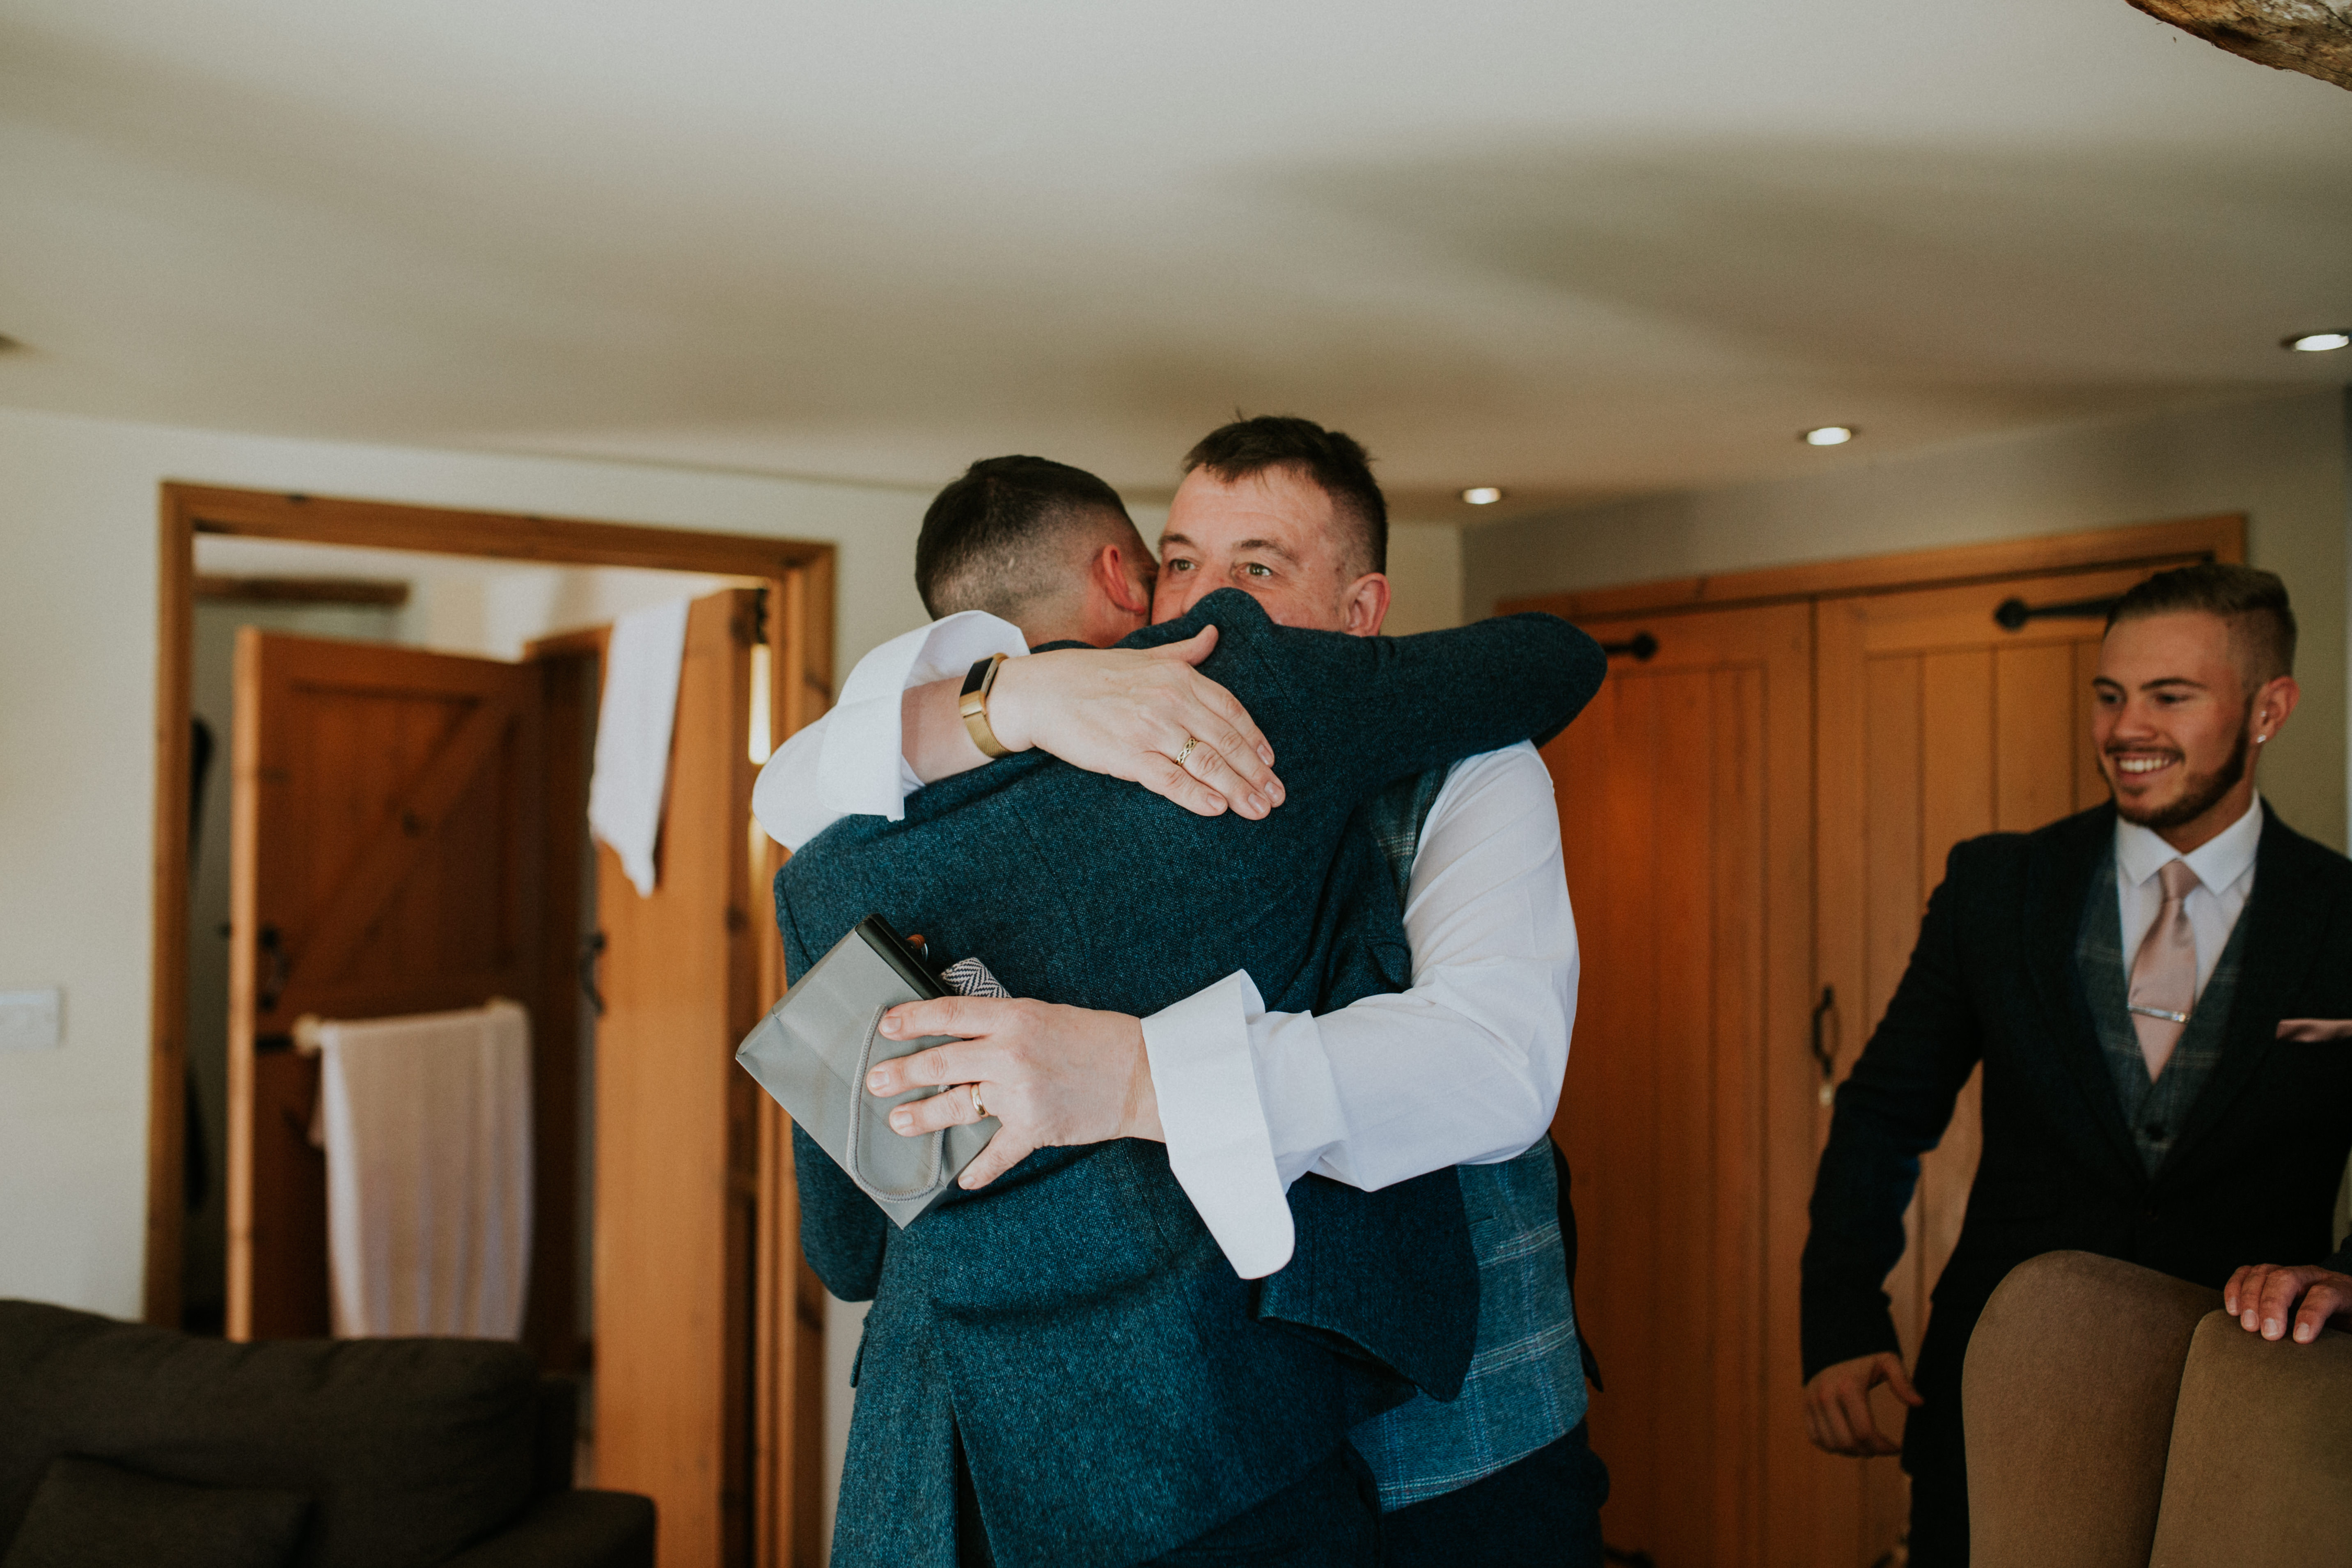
(1642, 648)
(2012, 615)
(592, 948)
(1824, 1052)
(272, 946)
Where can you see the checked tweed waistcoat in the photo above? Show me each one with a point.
(1526, 1383)
(2153, 1112)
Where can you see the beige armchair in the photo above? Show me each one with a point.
(2261, 1470)
(2116, 1416)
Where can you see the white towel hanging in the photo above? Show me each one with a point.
(427, 1131)
(642, 662)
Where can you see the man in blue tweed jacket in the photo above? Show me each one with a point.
(1071, 1337)
(1464, 1068)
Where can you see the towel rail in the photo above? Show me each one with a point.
(306, 1039)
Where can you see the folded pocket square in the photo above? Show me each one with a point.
(2313, 1030)
(813, 1049)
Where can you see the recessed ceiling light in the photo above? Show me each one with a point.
(1481, 495)
(2316, 342)
(1828, 436)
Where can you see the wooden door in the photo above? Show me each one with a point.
(1934, 724)
(678, 1145)
(1685, 817)
(386, 857)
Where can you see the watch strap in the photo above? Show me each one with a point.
(973, 704)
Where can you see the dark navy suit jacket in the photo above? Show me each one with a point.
(1116, 1389)
(2251, 1177)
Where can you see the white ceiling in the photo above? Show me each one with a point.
(1573, 248)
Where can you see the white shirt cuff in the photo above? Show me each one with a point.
(862, 770)
(1210, 1110)
(1298, 1098)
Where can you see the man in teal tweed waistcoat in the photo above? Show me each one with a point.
(1504, 1472)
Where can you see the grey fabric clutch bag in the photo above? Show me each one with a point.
(813, 1049)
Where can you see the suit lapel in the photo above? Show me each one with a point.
(2060, 883)
(2284, 920)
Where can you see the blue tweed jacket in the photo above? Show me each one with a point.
(1115, 1388)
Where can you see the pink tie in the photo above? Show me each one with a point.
(2164, 972)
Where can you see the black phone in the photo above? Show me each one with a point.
(912, 963)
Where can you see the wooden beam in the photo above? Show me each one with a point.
(2213, 538)
(388, 592)
(2304, 35)
(500, 535)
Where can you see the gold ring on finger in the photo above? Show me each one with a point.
(978, 1109)
(1189, 742)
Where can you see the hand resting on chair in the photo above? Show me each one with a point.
(2262, 1297)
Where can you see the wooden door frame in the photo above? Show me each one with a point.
(2221, 537)
(800, 578)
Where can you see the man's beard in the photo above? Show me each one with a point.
(2199, 795)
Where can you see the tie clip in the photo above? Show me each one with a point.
(2158, 1013)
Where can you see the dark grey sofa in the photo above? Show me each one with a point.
(419, 1453)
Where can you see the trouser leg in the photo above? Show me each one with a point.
(1329, 1518)
(1544, 1508)
(972, 1539)
(1939, 1511)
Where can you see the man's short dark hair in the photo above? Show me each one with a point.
(988, 538)
(1336, 464)
(2253, 603)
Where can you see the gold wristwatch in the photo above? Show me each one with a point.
(974, 705)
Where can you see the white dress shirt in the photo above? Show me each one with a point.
(1463, 1069)
(2225, 865)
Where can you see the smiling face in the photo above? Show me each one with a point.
(2176, 726)
(1275, 536)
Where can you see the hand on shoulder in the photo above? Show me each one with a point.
(1133, 713)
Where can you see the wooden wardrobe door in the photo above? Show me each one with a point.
(1685, 817)
(677, 1126)
(386, 856)
(1934, 724)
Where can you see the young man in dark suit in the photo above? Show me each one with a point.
(2146, 985)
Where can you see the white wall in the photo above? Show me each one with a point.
(2282, 463)
(77, 608)
(1425, 564)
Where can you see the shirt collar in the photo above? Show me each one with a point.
(2141, 852)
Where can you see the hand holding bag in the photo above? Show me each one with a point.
(813, 1049)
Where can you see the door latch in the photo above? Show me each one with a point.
(592, 948)
(1824, 1052)
(272, 947)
